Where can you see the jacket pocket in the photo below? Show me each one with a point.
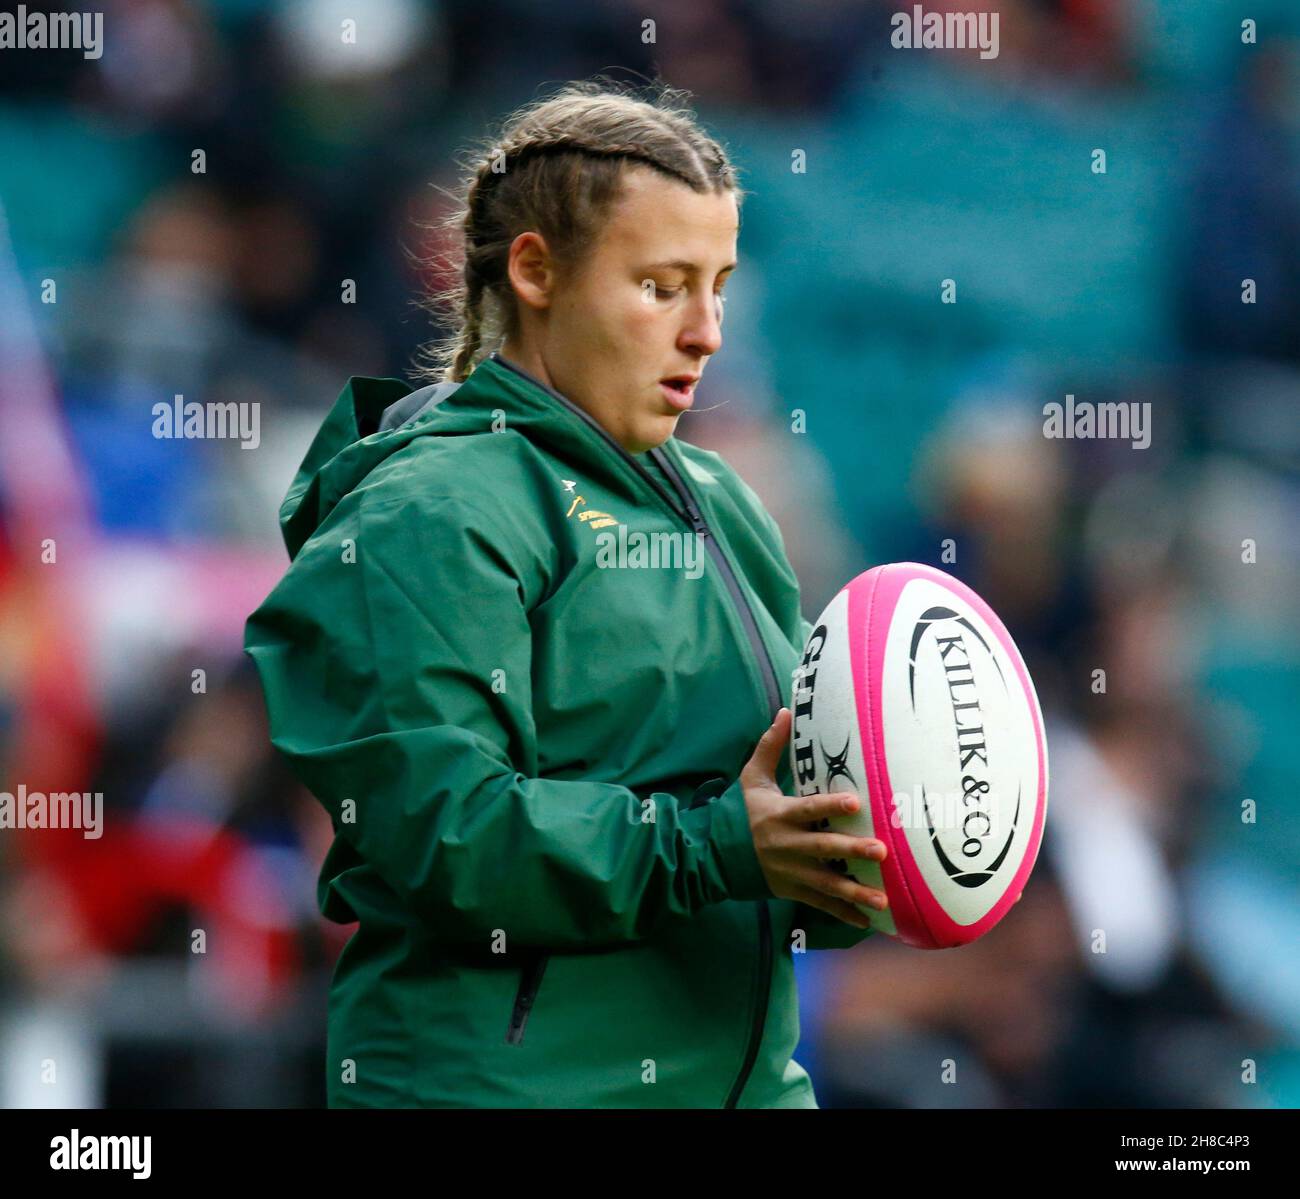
(709, 791)
(530, 979)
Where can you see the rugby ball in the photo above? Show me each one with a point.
(911, 693)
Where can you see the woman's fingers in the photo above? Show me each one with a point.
(813, 808)
(836, 886)
(829, 846)
(844, 911)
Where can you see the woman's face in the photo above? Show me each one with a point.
(645, 306)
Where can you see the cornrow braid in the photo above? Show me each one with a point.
(556, 168)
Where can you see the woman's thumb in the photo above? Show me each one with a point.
(767, 753)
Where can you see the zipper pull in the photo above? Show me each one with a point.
(697, 519)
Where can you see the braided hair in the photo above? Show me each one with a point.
(556, 168)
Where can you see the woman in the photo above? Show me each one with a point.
(576, 884)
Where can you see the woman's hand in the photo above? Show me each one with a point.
(792, 850)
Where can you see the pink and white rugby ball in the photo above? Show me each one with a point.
(912, 694)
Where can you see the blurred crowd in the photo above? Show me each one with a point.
(232, 204)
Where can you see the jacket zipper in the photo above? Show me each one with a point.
(771, 688)
(529, 982)
(696, 517)
(774, 704)
(691, 513)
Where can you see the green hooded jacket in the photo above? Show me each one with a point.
(526, 711)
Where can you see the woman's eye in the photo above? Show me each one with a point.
(664, 293)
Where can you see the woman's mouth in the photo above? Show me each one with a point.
(679, 392)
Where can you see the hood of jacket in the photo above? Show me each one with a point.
(374, 418)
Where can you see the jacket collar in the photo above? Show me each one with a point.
(356, 436)
(552, 418)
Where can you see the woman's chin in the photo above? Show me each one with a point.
(650, 432)
(658, 431)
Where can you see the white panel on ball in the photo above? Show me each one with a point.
(825, 743)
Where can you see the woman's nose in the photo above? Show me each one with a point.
(704, 333)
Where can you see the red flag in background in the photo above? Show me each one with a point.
(52, 734)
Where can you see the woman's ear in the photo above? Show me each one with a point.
(532, 270)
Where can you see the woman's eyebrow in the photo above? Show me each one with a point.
(680, 264)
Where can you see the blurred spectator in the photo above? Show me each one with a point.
(1244, 215)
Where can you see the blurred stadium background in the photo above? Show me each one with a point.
(924, 422)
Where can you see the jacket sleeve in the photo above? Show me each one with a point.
(398, 686)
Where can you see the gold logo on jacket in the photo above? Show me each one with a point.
(592, 518)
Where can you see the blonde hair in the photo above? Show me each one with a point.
(556, 168)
